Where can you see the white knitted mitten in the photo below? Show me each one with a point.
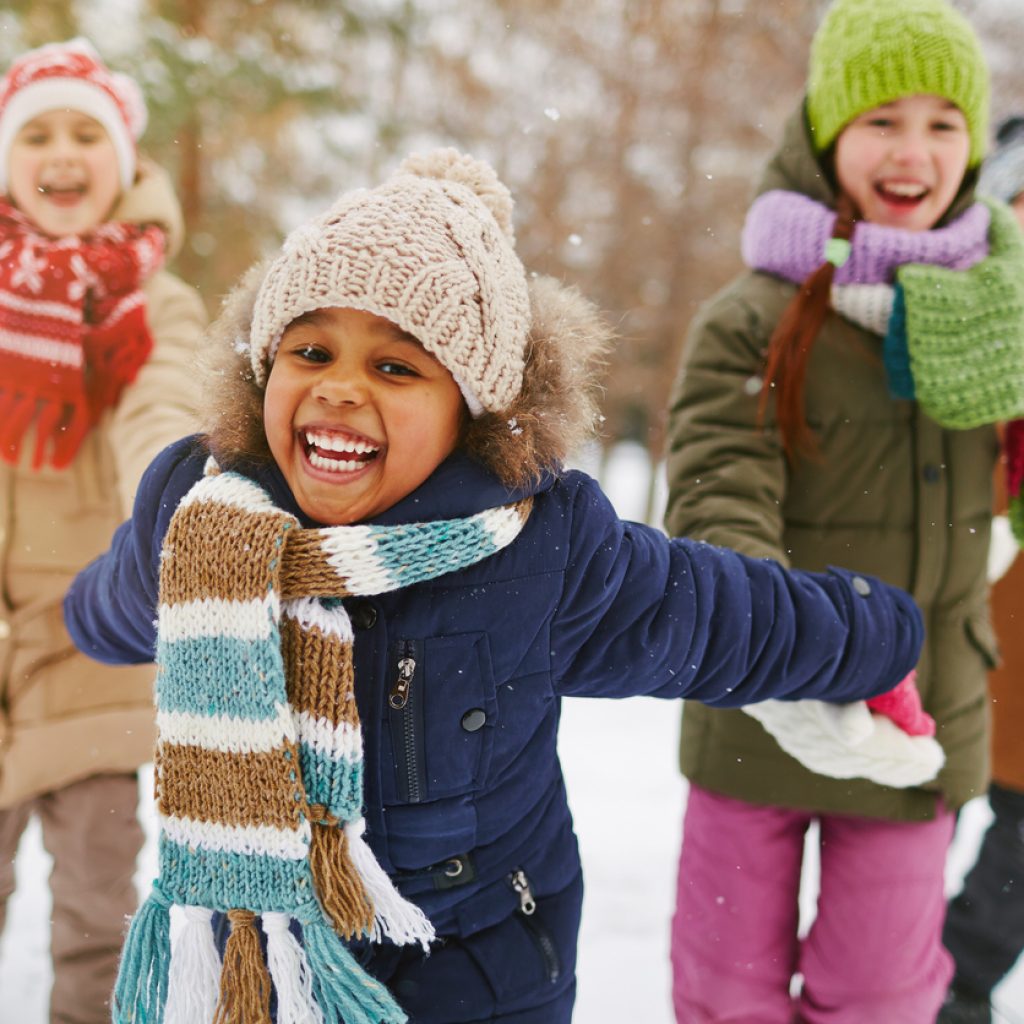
(845, 741)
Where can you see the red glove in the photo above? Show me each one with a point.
(903, 705)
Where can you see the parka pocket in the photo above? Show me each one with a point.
(533, 951)
(983, 638)
(441, 712)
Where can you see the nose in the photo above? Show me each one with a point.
(910, 148)
(62, 150)
(337, 386)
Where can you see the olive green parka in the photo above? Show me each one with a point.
(890, 493)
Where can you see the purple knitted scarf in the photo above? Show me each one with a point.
(785, 234)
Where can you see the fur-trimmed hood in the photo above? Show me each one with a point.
(554, 414)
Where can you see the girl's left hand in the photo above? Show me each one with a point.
(903, 705)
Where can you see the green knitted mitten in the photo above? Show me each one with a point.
(965, 331)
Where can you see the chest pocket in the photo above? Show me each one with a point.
(441, 711)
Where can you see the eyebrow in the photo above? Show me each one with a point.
(397, 333)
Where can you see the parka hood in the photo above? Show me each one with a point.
(554, 413)
(151, 200)
(794, 167)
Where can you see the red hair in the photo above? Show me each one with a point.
(789, 347)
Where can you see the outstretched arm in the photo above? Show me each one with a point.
(642, 614)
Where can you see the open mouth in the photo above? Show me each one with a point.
(337, 453)
(902, 193)
(62, 194)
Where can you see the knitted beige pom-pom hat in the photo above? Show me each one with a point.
(431, 250)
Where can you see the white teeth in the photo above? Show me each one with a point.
(335, 465)
(329, 443)
(899, 188)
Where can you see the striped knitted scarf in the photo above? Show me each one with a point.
(73, 329)
(949, 304)
(259, 760)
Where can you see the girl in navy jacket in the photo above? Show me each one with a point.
(367, 589)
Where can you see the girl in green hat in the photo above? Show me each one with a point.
(837, 406)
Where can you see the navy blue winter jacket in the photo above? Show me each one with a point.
(463, 787)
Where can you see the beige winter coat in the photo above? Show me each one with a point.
(62, 716)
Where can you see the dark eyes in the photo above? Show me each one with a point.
(311, 353)
(81, 138)
(316, 354)
(887, 123)
(396, 369)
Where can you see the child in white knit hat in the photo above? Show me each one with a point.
(367, 588)
(95, 346)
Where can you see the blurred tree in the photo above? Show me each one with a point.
(632, 134)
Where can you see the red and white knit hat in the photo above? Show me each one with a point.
(71, 76)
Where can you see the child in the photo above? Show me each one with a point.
(792, 437)
(95, 343)
(984, 927)
(390, 431)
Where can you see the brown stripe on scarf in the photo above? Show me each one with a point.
(232, 789)
(306, 571)
(318, 668)
(226, 531)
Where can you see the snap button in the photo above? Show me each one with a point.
(454, 868)
(362, 615)
(931, 473)
(473, 720)
(861, 586)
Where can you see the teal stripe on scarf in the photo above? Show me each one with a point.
(221, 880)
(338, 784)
(238, 687)
(895, 353)
(453, 544)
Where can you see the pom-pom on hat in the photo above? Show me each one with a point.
(869, 52)
(1002, 174)
(431, 250)
(71, 76)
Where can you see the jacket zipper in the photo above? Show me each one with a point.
(538, 932)
(403, 699)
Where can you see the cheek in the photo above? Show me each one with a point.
(277, 414)
(21, 173)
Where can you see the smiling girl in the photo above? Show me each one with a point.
(95, 347)
(837, 405)
(368, 588)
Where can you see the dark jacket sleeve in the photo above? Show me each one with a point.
(642, 614)
(110, 609)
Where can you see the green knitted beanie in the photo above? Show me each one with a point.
(869, 52)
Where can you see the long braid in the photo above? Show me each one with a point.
(789, 348)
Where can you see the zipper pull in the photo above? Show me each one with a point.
(521, 884)
(399, 695)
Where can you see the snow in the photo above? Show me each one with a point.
(628, 813)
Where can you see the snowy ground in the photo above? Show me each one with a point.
(628, 811)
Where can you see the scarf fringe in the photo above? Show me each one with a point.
(343, 990)
(244, 980)
(338, 883)
(194, 983)
(394, 916)
(291, 974)
(140, 992)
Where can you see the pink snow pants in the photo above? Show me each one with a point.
(874, 951)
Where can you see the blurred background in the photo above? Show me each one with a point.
(631, 134)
